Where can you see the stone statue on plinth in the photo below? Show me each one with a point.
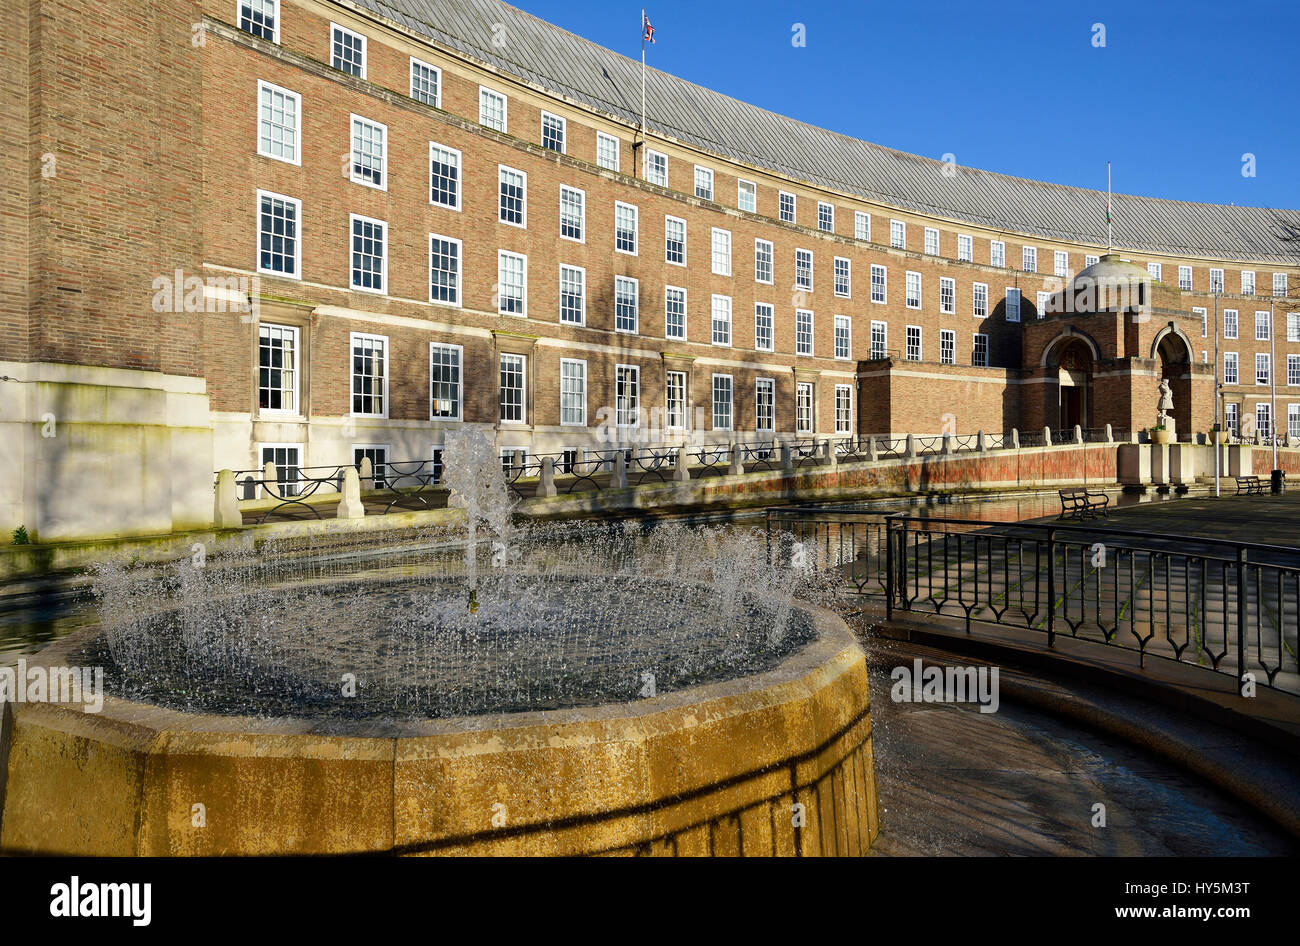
(1164, 413)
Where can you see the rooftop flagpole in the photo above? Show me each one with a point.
(643, 22)
(1110, 236)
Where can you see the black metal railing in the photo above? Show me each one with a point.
(1231, 607)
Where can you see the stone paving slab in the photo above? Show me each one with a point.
(1270, 520)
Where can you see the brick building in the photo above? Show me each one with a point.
(305, 230)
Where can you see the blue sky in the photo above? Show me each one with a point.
(1180, 92)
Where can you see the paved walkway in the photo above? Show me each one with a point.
(954, 781)
(1270, 520)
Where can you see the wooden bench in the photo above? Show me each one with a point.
(1079, 503)
(1251, 485)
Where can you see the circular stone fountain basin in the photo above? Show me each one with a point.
(774, 761)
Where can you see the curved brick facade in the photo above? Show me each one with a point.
(161, 178)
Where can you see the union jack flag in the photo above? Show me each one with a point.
(648, 34)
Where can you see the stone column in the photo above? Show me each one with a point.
(947, 445)
(737, 460)
(546, 482)
(1047, 436)
(619, 480)
(981, 442)
(787, 459)
(1015, 438)
(911, 446)
(225, 510)
(366, 473)
(350, 505)
(270, 481)
(682, 466)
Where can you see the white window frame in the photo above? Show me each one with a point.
(297, 238)
(605, 138)
(636, 228)
(1263, 360)
(898, 242)
(714, 321)
(583, 363)
(365, 50)
(975, 300)
(460, 271)
(965, 248)
(298, 366)
(675, 418)
(633, 412)
(564, 131)
(770, 384)
(998, 253)
(650, 154)
(636, 305)
(908, 302)
(523, 387)
(740, 193)
(771, 262)
(1204, 313)
(669, 218)
(907, 343)
(1060, 262)
(352, 222)
(695, 181)
(505, 109)
(731, 401)
(931, 241)
(1247, 284)
(1185, 284)
(1012, 313)
(522, 224)
(582, 314)
(948, 291)
(353, 176)
(685, 310)
(1231, 358)
(1235, 322)
(884, 339)
(794, 207)
(275, 28)
(861, 232)
(582, 215)
(1265, 324)
(975, 348)
(437, 99)
(830, 209)
(846, 323)
(848, 277)
(812, 333)
(286, 487)
(801, 412)
(460, 382)
(947, 346)
(460, 176)
(1029, 259)
(353, 338)
(771, 327)
(847, 414)
(713, 252)
(808, 286)
(884, 284)
(264, 87)
(523, 297)
(1217, 278)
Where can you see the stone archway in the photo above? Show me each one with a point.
(1175, 358)
(1071, 364)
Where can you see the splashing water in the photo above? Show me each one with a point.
(332, 627)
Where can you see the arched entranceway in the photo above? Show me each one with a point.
(1176, 368)
(1072, 365)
